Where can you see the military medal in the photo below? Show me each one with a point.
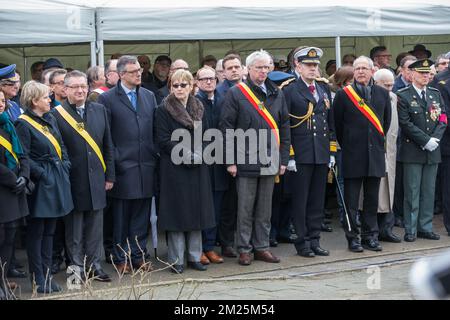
(435, 111)
(45, 130)
(414, 103)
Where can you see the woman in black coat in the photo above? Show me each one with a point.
(14, 173)
(186, 203)
(49, 171)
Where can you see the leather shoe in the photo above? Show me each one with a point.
(273, 243)
(177, 268)
(266, 256)
(244, 259)
(428, 235)
(196, 265)
(326, 227)
(399, 223)
(389, 237)
(229, 252)
(355, 246)
(16, 273)
(318, 251)
(306, 252)
(123, 268)
(12, 285)
(143, 266)
(100, 275)
(56, 267)
(409, 237)
(371, 244)
(213, 257)
(204, 260)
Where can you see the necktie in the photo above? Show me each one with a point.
(133, 98)
(263, 88)
(424, 99)
(312, 89)
(80, 111)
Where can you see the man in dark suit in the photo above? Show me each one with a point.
(362, 115)
(422, 119)
(314, 145)
(85, 131)
(130, 113)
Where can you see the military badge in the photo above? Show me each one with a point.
(435, 111)
(414, 103)
(45, 130)
(326, 101)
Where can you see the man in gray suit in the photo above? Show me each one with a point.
(130, 112)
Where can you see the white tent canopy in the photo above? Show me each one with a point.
(27, 22)
(256, 19)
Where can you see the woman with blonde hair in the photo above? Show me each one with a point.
(49, 171)
(183, 173)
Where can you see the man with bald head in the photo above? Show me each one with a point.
(164, 91)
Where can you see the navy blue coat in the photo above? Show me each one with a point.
(52, 196)
(444, 88)
(87, 177)
(135, 152)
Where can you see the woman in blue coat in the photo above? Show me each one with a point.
(49, 171)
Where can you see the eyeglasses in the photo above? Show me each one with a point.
(167, 65)
(82, 87)
(60, 83)
(443, 63)
(207, 79)
(260, 68)
(385, 55)
(135, 72)
(177, 85)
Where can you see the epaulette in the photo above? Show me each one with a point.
(323, 80)
(433, 89)
(285, 83)
(403, 89)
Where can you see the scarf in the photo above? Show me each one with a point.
(6, 124)
(186, 116)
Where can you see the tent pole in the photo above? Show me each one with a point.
(338, 51)
(93, 54)
(101, 53)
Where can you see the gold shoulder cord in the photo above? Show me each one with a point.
(302, 119)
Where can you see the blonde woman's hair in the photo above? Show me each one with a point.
(32, 90)
(182, 75)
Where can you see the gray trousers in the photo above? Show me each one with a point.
(177, 246)
(254, 212)
(84, 237)
(419, 182)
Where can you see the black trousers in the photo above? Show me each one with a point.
(40, 234)
(308, 202)
(131, 224)
(228, 216)
(281, 214)
(108, 230)
(59, 244)
(7, 237)
(386, 222)
(369, 225)
(445, 190)
(398, 192)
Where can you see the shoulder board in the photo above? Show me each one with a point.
(285, 83)
(442, 82)
(403, 89)
(432, 89)
(322, 80)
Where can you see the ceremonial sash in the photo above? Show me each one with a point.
(363, 108)
(79, 128)
(262, 110)
(44, 130)
(8, 146)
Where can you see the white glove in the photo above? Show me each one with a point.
(291, 166)
(432, 144)
(332, 162)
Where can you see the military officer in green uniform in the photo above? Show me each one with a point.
(422, 120)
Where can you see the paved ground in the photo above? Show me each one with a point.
(342, 275)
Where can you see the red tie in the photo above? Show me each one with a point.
(312, 89)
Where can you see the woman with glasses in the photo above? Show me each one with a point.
(183, 173)
(49, 171)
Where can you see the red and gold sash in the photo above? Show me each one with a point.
(262, 110)
(364, 108)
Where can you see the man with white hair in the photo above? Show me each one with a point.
(442, 76)
(257, 107)
(362, 113)
(384, 78)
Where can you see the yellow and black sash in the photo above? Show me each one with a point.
(361, 105)
(44, 130)
(79, 128)
(8, 146)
